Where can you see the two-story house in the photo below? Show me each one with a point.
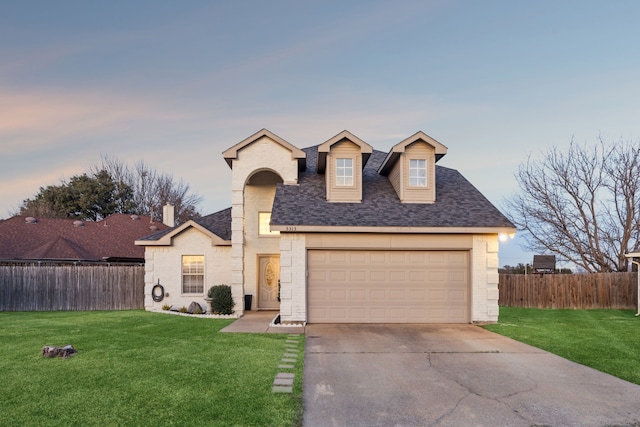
(339, 233)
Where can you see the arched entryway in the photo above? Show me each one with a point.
(262, 246)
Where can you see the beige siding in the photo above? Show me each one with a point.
(418, 150)
(389, 241)
(344, 149)
(395, 177)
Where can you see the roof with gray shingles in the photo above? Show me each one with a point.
(219, 223)
(458, 202)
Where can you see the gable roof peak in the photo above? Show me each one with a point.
(232, 153)
(399, 148)
(441, 149)
(325, 147)
(345, 134)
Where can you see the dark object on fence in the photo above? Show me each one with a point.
(544, 264)
(64, 352)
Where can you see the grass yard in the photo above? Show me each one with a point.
(606, 340)
(137, 368)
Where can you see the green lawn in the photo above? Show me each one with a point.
(607, 340)
(138, 368)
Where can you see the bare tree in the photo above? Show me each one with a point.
(582, 205)
(152, 190)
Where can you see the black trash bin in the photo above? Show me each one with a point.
(247, 302)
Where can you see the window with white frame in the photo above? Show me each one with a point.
(417, 173)
(192, 274)
(344, 172)
(264, 229)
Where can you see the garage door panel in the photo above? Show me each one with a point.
(457, 276)
(356, 258)
(318, 276)
(396, 258)
(357, 276)
(338, 294)
(437, 296)
(359, 315)
(416, 276)
(377, 276)
(338, 257)
(357, 294)
(393, 286)
(417, 294)
(377, 258)
(397, 276)
(456, 295)
(399, 294)
(378, 294)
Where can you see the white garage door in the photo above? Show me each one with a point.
(388, 286)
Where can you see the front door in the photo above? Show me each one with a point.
(268, 278)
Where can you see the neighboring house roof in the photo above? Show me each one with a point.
(458, 203)
(544, 263)
(25, 238)
(217, 224)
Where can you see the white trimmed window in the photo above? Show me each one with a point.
(417, 173)
(344, 172)
(264, 229)
(192, 274)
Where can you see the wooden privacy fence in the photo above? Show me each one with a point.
(581, 291)
(68, 287)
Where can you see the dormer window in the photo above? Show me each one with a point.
(344, 172)
(341, 159)
(411, 168)
(418, 173)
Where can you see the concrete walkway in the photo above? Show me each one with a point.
(451, 375)
(258, 322)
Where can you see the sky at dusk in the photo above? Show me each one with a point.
(176, 83)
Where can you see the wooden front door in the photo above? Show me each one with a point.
(268, 277)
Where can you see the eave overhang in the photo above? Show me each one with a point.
(167, 239)
(391, 230)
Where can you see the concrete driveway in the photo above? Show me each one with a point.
(451, 375)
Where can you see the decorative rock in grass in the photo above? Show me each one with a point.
(65, 352)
